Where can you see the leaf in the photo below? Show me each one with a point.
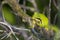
(8, 15)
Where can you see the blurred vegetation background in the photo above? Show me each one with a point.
(9, 18)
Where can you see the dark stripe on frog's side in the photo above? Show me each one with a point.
(39, 19)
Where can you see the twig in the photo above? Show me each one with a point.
(15, 29)
(49, 11)
(11, 30)
(34, 4)
(55, 19)
(4, 27)
(24, 2)
(23, 29)
(3, 37)
(2, 31)
(17, 8)
(55, 4)
(28, 8)
(1, 16)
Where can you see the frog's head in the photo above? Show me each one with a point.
(40, 19)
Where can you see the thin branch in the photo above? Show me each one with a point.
(17, 8)
(4, 35)
(1, 16)
(34, 4)
(55, 4)
(23, 29)
(4, 27)
(49, 14)
(15, 29)
(11, 30)
(2, 31)
(24, 2)
(28, 8)
(55, 19)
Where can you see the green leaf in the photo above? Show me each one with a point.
(8, 15)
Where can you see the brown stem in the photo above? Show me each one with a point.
(16, 8)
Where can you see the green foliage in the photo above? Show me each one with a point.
(8, 14)
(54, 27)
(39, 18)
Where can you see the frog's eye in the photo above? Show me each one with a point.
(39, 20)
